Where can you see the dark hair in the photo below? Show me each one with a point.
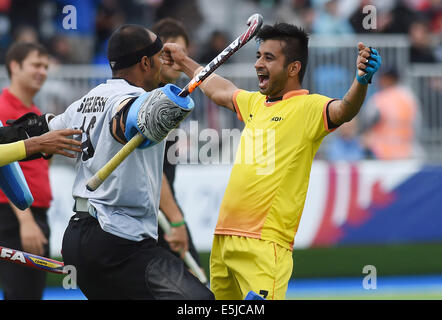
(127, 39)
(19, 51)
(170, 28)
(296, 43)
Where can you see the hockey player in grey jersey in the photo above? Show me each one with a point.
(112, 238)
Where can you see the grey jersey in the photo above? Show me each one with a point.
(128, 200)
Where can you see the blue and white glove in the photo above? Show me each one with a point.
(372, 65)
(154, 114)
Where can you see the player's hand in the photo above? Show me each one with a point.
(173, 55)
(54, 142)
(32, 238)
(178, 239)
(367, 63)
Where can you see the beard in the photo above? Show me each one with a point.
(273, 87)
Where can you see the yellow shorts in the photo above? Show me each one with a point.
(240, 264)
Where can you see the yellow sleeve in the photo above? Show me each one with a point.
(242, 100)
(11, 152)
(317, 125)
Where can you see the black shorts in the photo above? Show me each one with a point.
(110, 267)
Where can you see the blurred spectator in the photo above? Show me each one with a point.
(421, 47)
(187, 12)
(5, 37)
(436, 18)
(392, 16)
(347, 145)
(28, 229)
(346, 8)
(398, 19)
(327, 19)
(216, 43)
(81, 38)
(5, 5)
(438, 52)
(110, 15)
(297, 12)
(13, 16)
(141, 11)
(60, 50)
(24, 12)
(268, 3)
(330, 78)
(391, 119)
(431, 10)
(25, 33)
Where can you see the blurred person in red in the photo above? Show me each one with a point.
(27, 230)
(391, 120)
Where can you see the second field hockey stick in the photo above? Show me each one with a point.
(32, 260)
(188, 259)
(254, 22)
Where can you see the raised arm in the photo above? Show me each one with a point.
(215, 87)
(367, 63)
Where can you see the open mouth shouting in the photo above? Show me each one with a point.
(263, 80)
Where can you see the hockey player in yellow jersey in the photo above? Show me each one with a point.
(284, 127)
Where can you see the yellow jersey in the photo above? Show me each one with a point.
(11, 152)
(265, 196)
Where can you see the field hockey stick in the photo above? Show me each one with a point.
(254, 22)
(188, 259)
(32, 260)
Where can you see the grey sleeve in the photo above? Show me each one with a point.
(63, 120)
